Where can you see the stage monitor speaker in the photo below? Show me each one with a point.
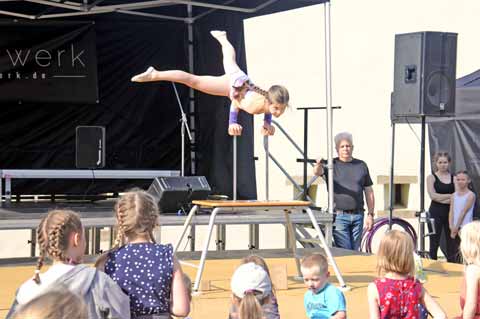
(176, 192)
(424, 74)
(90, 147)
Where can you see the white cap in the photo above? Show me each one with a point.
(250, 277)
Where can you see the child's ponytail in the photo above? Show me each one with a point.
(249, 307)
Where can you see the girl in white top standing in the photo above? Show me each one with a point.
(461, 211)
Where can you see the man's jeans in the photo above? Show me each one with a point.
(348, 230)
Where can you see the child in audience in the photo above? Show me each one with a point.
(470, 291)
(55, 304)
(397, 294)
(251, 288)
(322, 300)
(148, 272)
(461, 212)
(61, 237)
(270, 309)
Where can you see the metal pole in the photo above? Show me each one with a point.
(234, 168)
(182, 168)
(421, 223)
(391, 182)
(328, 96)
(191, 69)
(267, 159)
(305, 153)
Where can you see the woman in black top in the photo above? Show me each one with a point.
(440, 186)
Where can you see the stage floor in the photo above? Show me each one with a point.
(358, 271)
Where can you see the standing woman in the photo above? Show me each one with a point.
(440, 186)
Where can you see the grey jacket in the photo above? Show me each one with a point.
(103, 297)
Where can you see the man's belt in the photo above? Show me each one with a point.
(346, 211)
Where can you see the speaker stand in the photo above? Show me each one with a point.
(184, 126)
(422, 215)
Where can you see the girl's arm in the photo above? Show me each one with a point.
(468, 205)
(439, 198)
(180, 306)
(432, 306)
(450, 213)
(472, 275)
(373, 301)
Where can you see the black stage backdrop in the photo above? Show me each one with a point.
(141, 120)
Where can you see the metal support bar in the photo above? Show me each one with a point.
(293, 242)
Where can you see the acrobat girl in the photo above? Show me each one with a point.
(234, 84)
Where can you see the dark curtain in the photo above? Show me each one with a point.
(141, 120)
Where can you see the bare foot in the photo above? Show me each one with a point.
(146, 76)
(219, 35)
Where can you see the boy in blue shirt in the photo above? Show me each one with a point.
(322, 300)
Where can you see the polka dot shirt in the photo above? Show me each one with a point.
(144, 272)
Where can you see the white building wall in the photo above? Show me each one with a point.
(288, 48)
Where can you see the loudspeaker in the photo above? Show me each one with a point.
(424, 74)
(90, 147)
(173, 193)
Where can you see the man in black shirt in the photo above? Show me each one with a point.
(351, 180)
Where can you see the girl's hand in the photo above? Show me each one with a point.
(268, 129)
(235, 129)
(454, 232)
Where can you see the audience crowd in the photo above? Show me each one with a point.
(141, 279)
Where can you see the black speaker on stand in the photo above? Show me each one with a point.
(424, 85)
(90, 147)
(424, 75)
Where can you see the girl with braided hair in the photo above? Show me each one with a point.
(148, 272)
(61, 237)
(234, 84)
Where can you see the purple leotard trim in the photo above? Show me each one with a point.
(267, 117)
(232, 119)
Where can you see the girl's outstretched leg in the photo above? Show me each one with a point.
(214, 85)
(229, 59)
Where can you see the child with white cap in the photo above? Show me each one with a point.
(251, 288)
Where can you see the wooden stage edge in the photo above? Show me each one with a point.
(443, 283)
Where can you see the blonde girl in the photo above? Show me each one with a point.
(61, 237)
(148, 272)
(234, 84)
(461, 212)
(469, 293)
(397, 294)
(270, 308)
(251, 289)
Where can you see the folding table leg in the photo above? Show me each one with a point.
(293, 242)
(326, 248)
(205, 249)
(185, 226)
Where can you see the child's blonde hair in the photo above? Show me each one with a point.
(396, 254)
(275, 94)
(53, 235)
(315, 261)
(136, 212)
(470, 243)
(278, 94)
(55, 304)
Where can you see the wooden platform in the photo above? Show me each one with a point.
(358, 271)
